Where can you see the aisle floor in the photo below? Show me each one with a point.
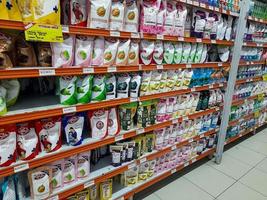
(242, 175)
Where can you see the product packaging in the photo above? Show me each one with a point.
(67, 90)
(98, 123)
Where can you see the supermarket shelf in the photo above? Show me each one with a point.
(247, 63)
(100, 175)
(247, 80)
(120, 34)
(210, 8)
(22, 72)
(255, 44)
(23, 114)
(89, 144)
(242, 101)
(128, 192)
(243, 133)
(257, 20)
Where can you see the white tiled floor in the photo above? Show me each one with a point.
(242, 175)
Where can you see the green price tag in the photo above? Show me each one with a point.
(44, 33)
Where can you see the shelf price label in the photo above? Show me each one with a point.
(115, 34)
(20, 168)
(88, 70)
(44, 33)
(47, 72)
(69, 110)
(89, 183)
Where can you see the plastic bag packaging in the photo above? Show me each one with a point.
(170, 18)
(111, 47)
(111, 84)
(3, 106)
(135, 85)
(98, 51)
(99, 90)
(6, 51)
(158, 52)
(131, 16)
(98, 123)
(133, 57)
(78, 12)
(146, 52)
(180, 19)
(117, 15)
(83, 50)
(67, 90)
(84, 86)
(122, 53)
(123, 85)
(44, 54)
(113, 122)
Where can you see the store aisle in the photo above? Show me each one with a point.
(241, 176)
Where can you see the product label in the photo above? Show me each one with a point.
(47, 72)
(20, 168)
(88, 70)
(44, 33)
(69, 110)
(89, 183)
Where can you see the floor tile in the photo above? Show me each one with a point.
(152, 197)
(210, 179)
(240, 192)
(256, 146)
(261, 137)
(256, 180)
(262, 165)
(245, 155)
(231, 167)
(184, 190)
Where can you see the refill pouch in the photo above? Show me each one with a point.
(98, 51)
(192, 53)
(27, 141)
(3, 106)
(117, 15)
(133, 57)
(83, 50)
(135, 84)
(98, 16)
(111, 84)
(198, 54)
(83, 164)
(204, 53)
(168, 52)
(158, 52)
(186, 52)
(123, 52)
(40, 182)
(99, 88)
(57, 174)
(113, 122)
(78, 12)
(63, 53)
(49, 132)
(198, 23)
(145, 84)
(84, 86)
(180, 19)
(67, 90)
(161, 15)
(98, 123)
(154, 84)
(123, 85)
(69, 169)
(73, 127)
(131, 16)
(111, 47)
(178, 52)
(7, 145)
(171, 13)
(146, 51)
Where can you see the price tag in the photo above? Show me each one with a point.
(173, 147)
(135, 35)
(142, 160)
(185, 118)
(131, 165)
(115, 34)
(259, 45)
(69, 110)
(221, 85)
(189, 1)
(65, 29)
(140, 131)
(195, 3)
(194, 160)
(188, 66)
(89, 183)
(193, 89)
(112, 69)
(240, 135)
(133, 99)
(119, 138)
(44, 33)
(213, 41)
(216, 9)
(47, 72)
(88, 70)
(174, 121)
(252, 63)
(121, 198)
(245, 44)
(160, 37)
(183, 1)
(210, 86)
(198, 40)
(202, 135)
(173, 171)
(247, 63)
(186, 164)
(53, 198)
(21, 167)
(211, 7)
(224, 11)
(181, 39)
(191, 140)
(220, 64)
(261, 20)
(159, 66)
(202, 5)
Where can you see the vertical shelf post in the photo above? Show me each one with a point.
(244, 5)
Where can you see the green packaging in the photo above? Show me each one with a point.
(99, 88)
(84, 88)
(67, 90)
(3, 108)
(12, 87)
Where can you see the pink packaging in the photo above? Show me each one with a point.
(159, 138)
(167, 135)
(83, 165)
(27, 141)
(170, 18)
(167, 161)
(7, 145)
(170, 105)
(161, 110)
(180, 19)
(70, 169)
(98, 51)
(180, 132)
(173, 134)
(161, 17)
(113, 122)
(148, 18)
(83, 50)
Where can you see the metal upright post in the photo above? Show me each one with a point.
(244, 5)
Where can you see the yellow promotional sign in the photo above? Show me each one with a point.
(264, 77)
(44, 33)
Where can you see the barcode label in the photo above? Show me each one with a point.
(47, 72)
(188, 66)
(175, 121)
(173, 147)
(213, 41)
(186, 164)
(173, 171)
(194, 160)
(69, 110)
(202, 5)
(140, 131)
(198, 40)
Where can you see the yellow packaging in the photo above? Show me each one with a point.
(25, 7)
(83, 195)
(46, 12)
(106, 190)
(93, 192)
(3, 8)
(139, 146)
(13, 10)
(143, 171)
(131, 176)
